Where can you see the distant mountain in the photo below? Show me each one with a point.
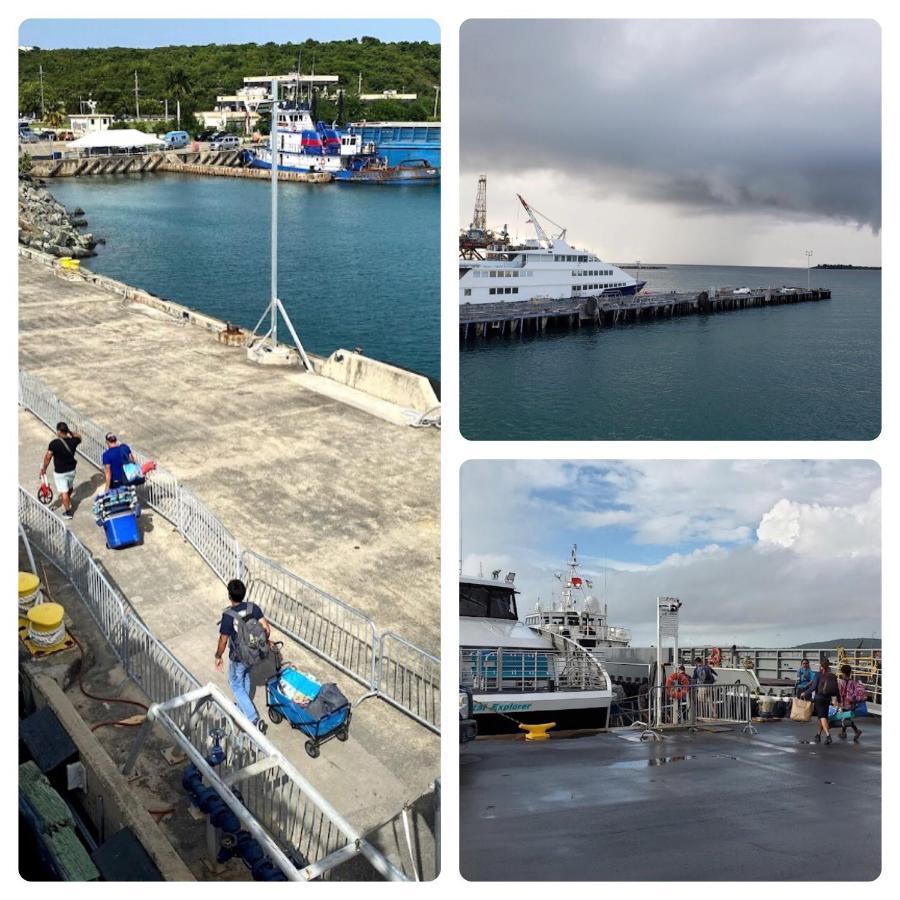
(846, 643)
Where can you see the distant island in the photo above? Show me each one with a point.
(843, 266)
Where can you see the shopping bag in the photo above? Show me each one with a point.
(801, 710)
(133, 473)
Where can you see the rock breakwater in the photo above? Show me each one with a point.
(45, 225)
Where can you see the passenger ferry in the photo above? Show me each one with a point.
(305, 146)
(522, 673)
(543, 268)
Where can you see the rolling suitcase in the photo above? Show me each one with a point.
(122, 531)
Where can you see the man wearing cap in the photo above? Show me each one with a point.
(114, 458)
(62, 451)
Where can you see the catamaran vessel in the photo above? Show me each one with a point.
(545, 267)
(524, 673)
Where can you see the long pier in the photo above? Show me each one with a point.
(483, 320)
(224, 163)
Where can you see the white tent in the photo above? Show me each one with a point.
(117, 138)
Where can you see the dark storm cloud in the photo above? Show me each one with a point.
(717, 115)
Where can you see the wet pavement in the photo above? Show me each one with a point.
(707, 806)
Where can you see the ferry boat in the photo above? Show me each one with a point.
(401, 141)
(305, 146)
(523, 673)
(587, 626)
(545, 267)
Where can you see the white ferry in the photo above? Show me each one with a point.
(543, 268)
(587, 626)
(306, 146)
(520, 673)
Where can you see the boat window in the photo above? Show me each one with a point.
(489, 602)
(467, 292)
(493, 290)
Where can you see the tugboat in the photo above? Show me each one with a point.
(304, 146)
(520, 673)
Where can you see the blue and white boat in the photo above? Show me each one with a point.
(305, 146)
(546, 267)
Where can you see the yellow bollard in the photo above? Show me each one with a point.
(29, 591)
(537, 732)
(45, 630)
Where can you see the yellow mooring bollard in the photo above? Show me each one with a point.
(537, 732)
(45, 630)
(29, 592)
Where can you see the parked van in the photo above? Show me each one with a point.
(175, 140)
(225, 142)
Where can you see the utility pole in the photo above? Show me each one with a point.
(41, 71)
(166, 113)
(808, 253)
(137, 102)
(437, 94)
(359, 84)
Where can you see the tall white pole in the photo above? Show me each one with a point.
(137, 102)
(808, 253)
(273, 134)
(659, 664)
(41, 70)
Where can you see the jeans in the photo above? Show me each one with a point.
(239, 679)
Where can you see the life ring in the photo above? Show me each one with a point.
(672, 685)
(715, 657)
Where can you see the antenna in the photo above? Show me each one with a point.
(275, 305)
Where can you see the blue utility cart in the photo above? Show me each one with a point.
(117, 511)
(319, 721)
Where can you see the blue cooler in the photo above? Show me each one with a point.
(122, 531)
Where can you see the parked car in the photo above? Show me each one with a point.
(468, 728)
(206, 135)
(225, 142)
(65, 136)
(741, 290)
(27, 136)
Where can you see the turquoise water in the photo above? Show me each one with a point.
(810, 371)
(359, 265)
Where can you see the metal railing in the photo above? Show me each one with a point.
(327, 626)
(336, 631)
(696, 705)
(279, 799)
(410, 679)
(774, 664)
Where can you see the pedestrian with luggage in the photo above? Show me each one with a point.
(852, 693)
(245, 631)
(804, 678)
(62, 451)
(115, 456)
(821, 689)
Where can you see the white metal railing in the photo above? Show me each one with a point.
(338, 632)
(278, 798)
(695, 705)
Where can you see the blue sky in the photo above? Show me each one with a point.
(78, 33)
(749, 546)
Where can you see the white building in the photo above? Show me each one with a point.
(86, 123)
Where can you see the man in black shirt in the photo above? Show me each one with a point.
(62, 451)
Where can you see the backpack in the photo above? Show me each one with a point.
(249, 642)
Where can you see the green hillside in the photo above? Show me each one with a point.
(197, 74)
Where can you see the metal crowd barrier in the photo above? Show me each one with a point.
(278, 799)
(410, 679)
(327, 626)
(696, 705)
(338, 632)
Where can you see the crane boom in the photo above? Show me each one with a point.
(533, 218)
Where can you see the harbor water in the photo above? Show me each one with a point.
(359, 265)
(810, 371)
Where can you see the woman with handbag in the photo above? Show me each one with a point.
(823, 687)
(852, 693)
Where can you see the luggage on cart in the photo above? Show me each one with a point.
(117, 511)
(320, 711)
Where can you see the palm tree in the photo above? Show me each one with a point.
(56, 117)
(178, 85)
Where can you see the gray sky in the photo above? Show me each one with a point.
(764, 552)
(709, 141)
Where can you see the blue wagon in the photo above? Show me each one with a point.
(319, 721)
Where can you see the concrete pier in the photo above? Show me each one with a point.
(482, 320)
